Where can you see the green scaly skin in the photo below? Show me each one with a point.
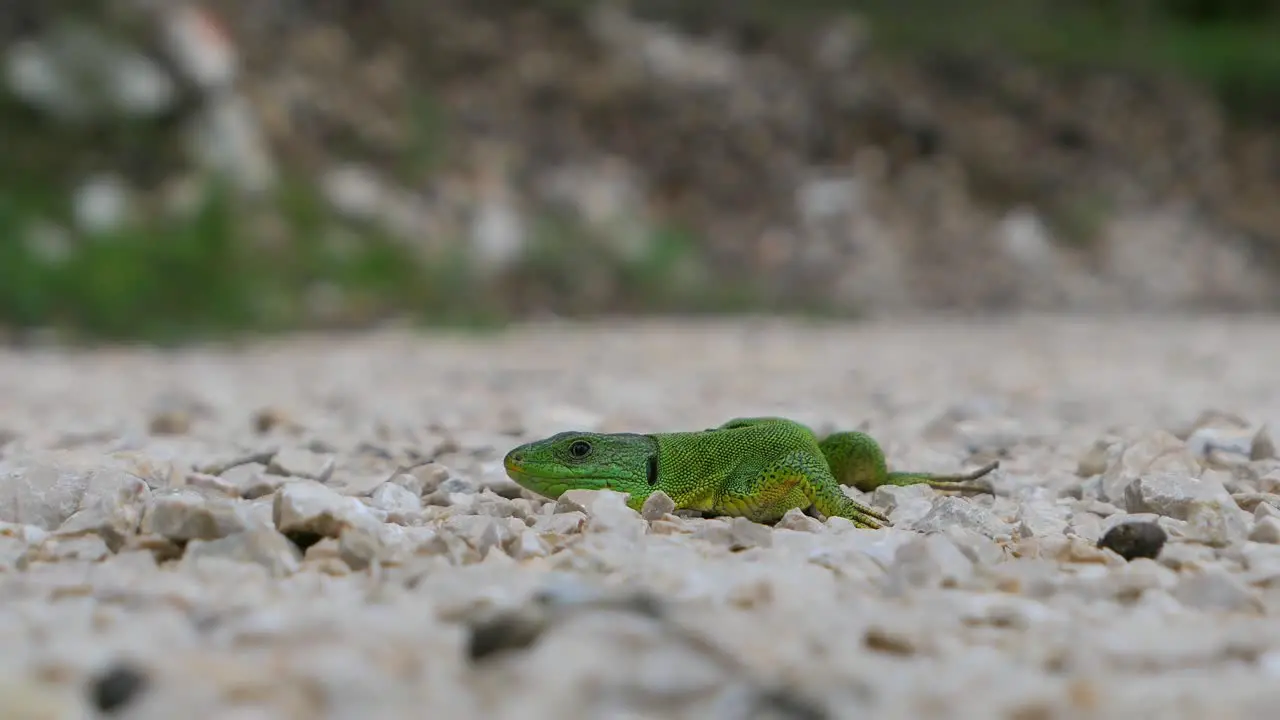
(757, 468)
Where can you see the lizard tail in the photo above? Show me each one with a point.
(959, 481)
(856, 459)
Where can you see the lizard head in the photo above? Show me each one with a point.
(623, 462)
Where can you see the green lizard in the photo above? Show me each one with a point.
(756, 468)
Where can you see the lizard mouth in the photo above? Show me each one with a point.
(550, 485)
(517, 471)
(512, 463)
(522, 476)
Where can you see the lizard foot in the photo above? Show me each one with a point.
(864, 516)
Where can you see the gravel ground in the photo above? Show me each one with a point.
(320, 527)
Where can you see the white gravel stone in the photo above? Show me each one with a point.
(1156, 452)
(904, 504)
(262, 545)
(396, 500)
(949, 512)
(112, 506)
(47, 491)
(1210, 512)
(1216, 589)
(929, 560)
(299, 462)
(1042, 518)
(306, 506)
(184, 514)
(657, 505)
(795, 519)
(1266, 530)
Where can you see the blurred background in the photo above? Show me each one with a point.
(181, 170)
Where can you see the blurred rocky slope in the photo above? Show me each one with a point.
(464, 157)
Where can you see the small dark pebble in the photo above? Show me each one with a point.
(506, 632)
(520, 629)
(304, 540)
(784, 704)
(1135, 540)
(117, 686)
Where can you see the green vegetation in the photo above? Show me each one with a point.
(180, 278)
(1232, 45)
(211, 274)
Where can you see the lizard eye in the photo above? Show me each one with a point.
(580, 448)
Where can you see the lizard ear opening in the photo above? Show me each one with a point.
(653, 469)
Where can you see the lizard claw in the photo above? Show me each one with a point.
(870, 518)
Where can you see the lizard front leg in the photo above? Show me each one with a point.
(761, 494)
(797, 480)
(856, 459)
